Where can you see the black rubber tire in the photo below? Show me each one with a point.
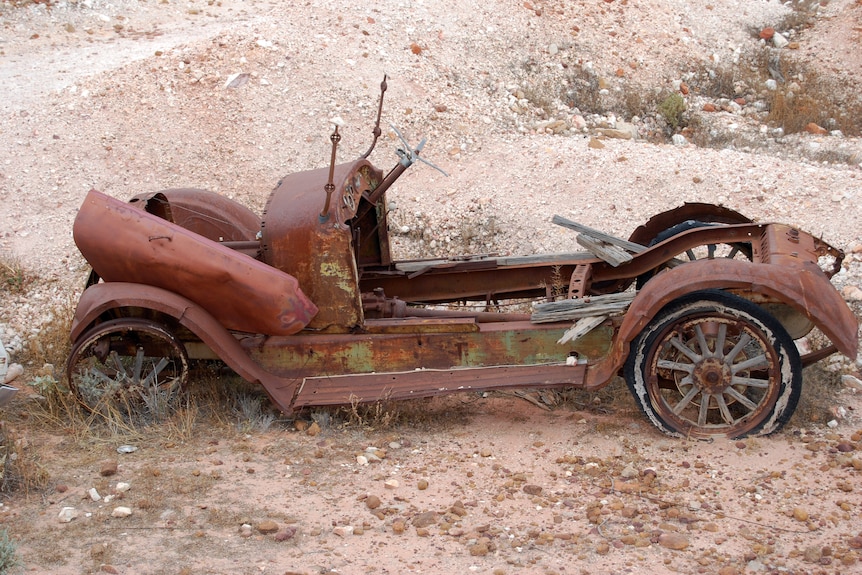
(751, 386)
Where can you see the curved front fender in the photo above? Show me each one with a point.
(104, 297)
(805, 288)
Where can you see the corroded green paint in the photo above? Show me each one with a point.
(342, 354)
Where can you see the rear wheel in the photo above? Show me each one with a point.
(134, 366)
(736, 251)
(714, 364)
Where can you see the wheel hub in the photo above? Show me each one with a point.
(712, 375)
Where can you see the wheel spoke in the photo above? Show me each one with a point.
(756, 362)
(744, 339)
(153, 377)
(138, 366)
(692, 393)
(701, 341)
(118, 365)
(675, 366)
(710, 251)
(741, 399)
(722, 407)
(719, 340)
(750, 382)
(685, 350)
(704, 410)
(99, 374)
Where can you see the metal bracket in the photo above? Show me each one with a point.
(580, 281)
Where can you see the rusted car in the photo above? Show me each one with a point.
(698, 309)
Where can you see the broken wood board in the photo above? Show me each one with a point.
(581, 328)
(571, 309)
(613, 240)
(603, 250)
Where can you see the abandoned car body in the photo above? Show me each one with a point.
(309, 302)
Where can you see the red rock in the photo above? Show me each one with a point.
(267, 526)
(767, 33)
(709, 107)
(683, 87)
(425, 519)
(531, 489)
(813, 128)
(740, 101)
(108, 468)
(676, 541)
(285, 534)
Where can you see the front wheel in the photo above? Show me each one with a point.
(134, 366)
(714, 364)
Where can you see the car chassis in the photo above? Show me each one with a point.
(698, 309)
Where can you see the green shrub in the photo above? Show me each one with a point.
(8, 559)
(671, 109)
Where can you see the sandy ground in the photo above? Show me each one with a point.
(131, 96)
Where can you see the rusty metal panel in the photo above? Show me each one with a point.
(341, 390)
(317, 250)
(509, 343)
(202, 212)
(659, 223)
(126, 244)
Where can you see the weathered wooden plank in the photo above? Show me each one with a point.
(613, 240)
(603, 250)
(543, 259)
(582, 327)
(571, 309)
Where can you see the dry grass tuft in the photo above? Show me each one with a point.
(14, 278)
(20, 468)
(820, 391)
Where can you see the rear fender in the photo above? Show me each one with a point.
(100, 299)
(805, 288)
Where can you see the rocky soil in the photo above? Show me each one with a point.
(133, 96)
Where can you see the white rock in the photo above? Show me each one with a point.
(629, 472)
(679, 140)
(361, 460)
(15, 371)
(94, 494)
(343, 530)
(122, 487)
(627, 128)
(851, 382)
(67, 514)
(578, 122)
(779, 41)
(391, 484)
(832, 424)
(121, 512)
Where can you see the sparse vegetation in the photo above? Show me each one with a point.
(14, 279)
(671, 109)
(8, 557)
